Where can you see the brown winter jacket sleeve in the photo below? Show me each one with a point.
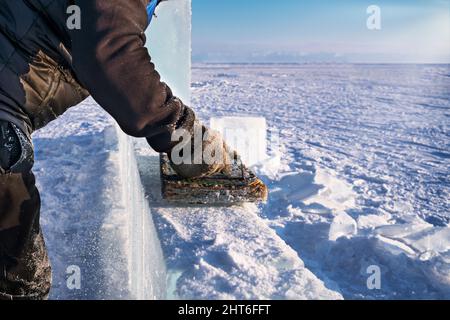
(110, 60)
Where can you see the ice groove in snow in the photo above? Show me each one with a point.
(224, 252)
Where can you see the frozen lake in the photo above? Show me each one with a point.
(383, 128)
(362, 185)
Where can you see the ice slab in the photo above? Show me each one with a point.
(247, 135)
(169, 44)
(146, 266)
(422, 237)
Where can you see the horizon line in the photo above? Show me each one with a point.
(320, 62)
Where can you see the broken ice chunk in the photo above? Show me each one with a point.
(342, 226)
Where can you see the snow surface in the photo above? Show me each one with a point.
(224, 253)
(359, 179)
(363, 178)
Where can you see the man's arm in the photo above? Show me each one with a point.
(110, 60)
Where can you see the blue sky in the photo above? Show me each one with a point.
(320, 30)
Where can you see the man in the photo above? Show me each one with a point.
(45, 68)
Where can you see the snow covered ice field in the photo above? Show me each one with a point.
(362, 181)
(365, 154)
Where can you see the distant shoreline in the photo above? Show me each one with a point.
(319, 63)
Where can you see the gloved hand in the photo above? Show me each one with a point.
(195, 151)
(211, 155)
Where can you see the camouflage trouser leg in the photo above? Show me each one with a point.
(24, 267)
